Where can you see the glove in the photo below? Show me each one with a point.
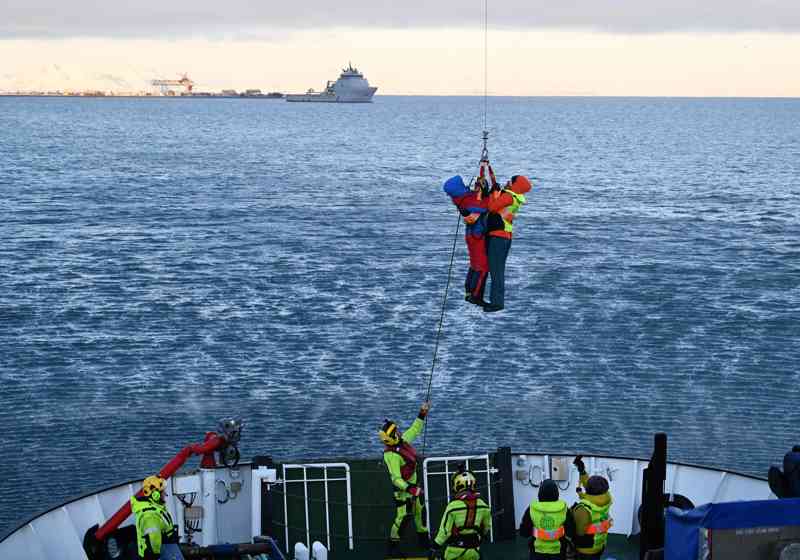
(434, 551)
(423, 410)
(414, 490)
(471, 218)
(578, 462)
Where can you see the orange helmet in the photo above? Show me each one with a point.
(520, 184)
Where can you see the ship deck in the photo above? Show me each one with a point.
(619, 548)
(347, 505)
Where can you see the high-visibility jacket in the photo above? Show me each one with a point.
(505, 207)
(153, 525)
(465, 521)
(401, 461)
(548, 525)
(600, 524)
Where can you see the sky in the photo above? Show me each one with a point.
(569, 47)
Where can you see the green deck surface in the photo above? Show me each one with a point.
(619, 548)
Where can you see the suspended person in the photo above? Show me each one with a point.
(472, 204)
(548, 523)
(503, 206)
(401, 461)
(154, 525)
(591, 514)
(466, 521)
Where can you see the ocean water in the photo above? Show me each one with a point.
(168, 262)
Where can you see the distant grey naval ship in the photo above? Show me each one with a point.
(351, 87)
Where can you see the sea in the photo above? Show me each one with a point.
(166, 263)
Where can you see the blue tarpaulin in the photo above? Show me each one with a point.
(682, 536)
(171, 552)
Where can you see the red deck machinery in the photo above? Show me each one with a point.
(226, 444)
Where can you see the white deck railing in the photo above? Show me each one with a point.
(325, 480)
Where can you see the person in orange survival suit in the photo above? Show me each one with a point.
(503, 206)
(472, 204)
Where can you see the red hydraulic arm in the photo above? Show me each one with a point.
(212, 443)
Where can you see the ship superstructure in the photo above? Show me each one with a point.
(351, 87)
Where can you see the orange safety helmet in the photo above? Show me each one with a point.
(520, 184)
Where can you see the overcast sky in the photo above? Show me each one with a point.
(151, 18)
(558, 47)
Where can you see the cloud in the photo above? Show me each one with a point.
(154, 18)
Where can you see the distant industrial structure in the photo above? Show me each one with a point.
(183, 86)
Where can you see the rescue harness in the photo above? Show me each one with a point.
(472, 539)
(409, 455)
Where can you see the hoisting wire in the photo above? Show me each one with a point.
(485, 137)
(484, 158)
(485, 67)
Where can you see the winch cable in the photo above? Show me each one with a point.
(485, 67)
(484, 160)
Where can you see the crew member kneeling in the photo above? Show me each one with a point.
(153, 521)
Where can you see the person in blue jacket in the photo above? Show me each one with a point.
(473, 205)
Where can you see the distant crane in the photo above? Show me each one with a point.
(185, 81)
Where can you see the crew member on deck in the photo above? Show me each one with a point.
(466, 521)
(401, 460)
(548, 523)
(153, 521)
(503, 206)
(591, 513)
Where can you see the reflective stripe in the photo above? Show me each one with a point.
(549, 535)
(152, 530)
(601, 527)
(548, 525)
(599, 524)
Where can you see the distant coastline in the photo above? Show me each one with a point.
(250, 94)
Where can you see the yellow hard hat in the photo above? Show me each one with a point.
(463, 481)
(390, 433)
(153, 487)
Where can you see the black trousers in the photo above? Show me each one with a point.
(539, 556)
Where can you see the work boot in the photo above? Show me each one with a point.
(392, 548)
(424, 540)
(489, 308)
(476, 301)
